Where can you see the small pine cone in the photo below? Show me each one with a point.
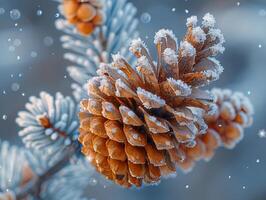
(84, 14)
(234, 113)
(140, 123)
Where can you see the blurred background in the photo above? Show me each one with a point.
(31, 61)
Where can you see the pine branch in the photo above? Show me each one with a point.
(34, 186)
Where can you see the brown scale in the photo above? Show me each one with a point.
(86, 15)
(133, 137)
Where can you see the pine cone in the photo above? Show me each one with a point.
(226, 125)
(140, 122)
(234, 113)
(84, 14)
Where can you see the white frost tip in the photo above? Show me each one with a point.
(149, 99)
(187, 49)
(199, 34)
(208, 20)
(118, 59)
(192, 21)
(216, 34)
(143, 62)
(170, 56)
(163, 33)
(136, 46)
(180, 87)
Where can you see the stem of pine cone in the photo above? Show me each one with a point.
(34, 186)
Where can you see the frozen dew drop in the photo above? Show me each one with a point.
(48, 41)
(187, 11)
(57, 15)
(145, 18)
(15, 14)
(2, 11)
(4, 117)
(15, 87)
(39, 12)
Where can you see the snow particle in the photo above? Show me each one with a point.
(15, 14)
(262, 133)
(244, 187)
(258, 161)
(4, 117)
(238, 3)
(173, 9)
(145, 18)
(187, 186)
(186, 11)
(260, 45)
(39, 13)
(229, 177)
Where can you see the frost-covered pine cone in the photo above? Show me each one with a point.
(138, 119)
(226, 126)
(84, 14)
(234, 113)
(49, 123)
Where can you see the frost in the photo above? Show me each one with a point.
(198, 34)
(136, 46)
(192, 21)
(216, 33)
(143, 61)
(187, 49)
(163, 33)
(170, 56)
(218, 49)
(118, 59)
(208, 20)
(180, 87)
(219, 67)
(149, 98)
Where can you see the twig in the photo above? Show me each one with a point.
(34, 186)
